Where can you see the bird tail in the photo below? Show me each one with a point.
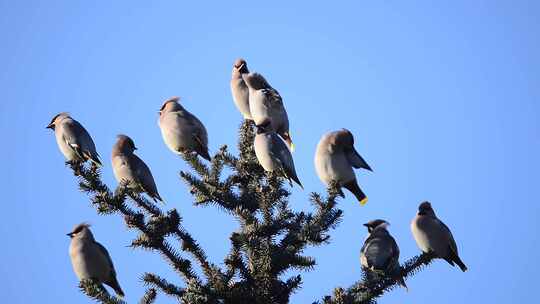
(455, 258)
(341, 193)
(116, 286)
(291, 174)
(401, 282)
(358, 193)
(204, 153)
(93, 157)
(202, 149)
(157, 198)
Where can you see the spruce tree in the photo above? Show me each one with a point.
(270, 240)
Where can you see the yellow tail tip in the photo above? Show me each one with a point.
(292, 147)
(363, 201)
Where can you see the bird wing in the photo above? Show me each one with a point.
(279, 151)
(356, 160)
(394, 253)
(104, 251)
(184, 121)
(273, 99)
(378, 251)
(452, 244)
(144, 175)
(77, 137)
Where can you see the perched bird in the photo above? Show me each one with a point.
(273, 154)
(128, 167)
(181, 130)
(432, 235)
(73, 139)
(335, 159)
(265, 103)
(239, 89)
(380, 252)
(90, 259)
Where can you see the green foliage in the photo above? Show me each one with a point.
(97, 292)
(270, 240)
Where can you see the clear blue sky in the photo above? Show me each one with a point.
(443, 100)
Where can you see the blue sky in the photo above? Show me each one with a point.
(443, 100)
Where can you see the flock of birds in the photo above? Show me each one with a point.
(183, 132)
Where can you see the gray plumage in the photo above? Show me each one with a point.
(265, 103)
(128, 167)
(73, 139)
(335, 159)
(273, 154)
(90, 260)
(432, 235)
(380, 252)
(181, 130)
(239, 89)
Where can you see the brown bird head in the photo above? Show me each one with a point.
(124, 144)
(57, 119)
(240, 65)
(170, 105)
(344, 138)
(81, 230)
(371, 225)
(426, 209)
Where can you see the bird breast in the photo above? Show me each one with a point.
(177, 132)
(87, 261)
(257, 106)
(333, 166)
(68, 151)
(240, 93)
(263, 151)
(123, 171)
(430, 235)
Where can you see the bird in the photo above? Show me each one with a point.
(265, 103)
(433, 236)
(239, 89)
(128, 167)
(73, 139)
(380, 252)
(181, 130)
(272, 152)
(90, 259)
(335, 159)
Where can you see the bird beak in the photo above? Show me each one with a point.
(70, 234)
(366, 224)
(50, 126)
(134, 148)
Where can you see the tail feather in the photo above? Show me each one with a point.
(296, 180)
(116, 286)
(355, 189)
(157, 197)
(93, 157)
(460, 263)
(203, 152)
(291, 174)
(454, 258)
(401, 282)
